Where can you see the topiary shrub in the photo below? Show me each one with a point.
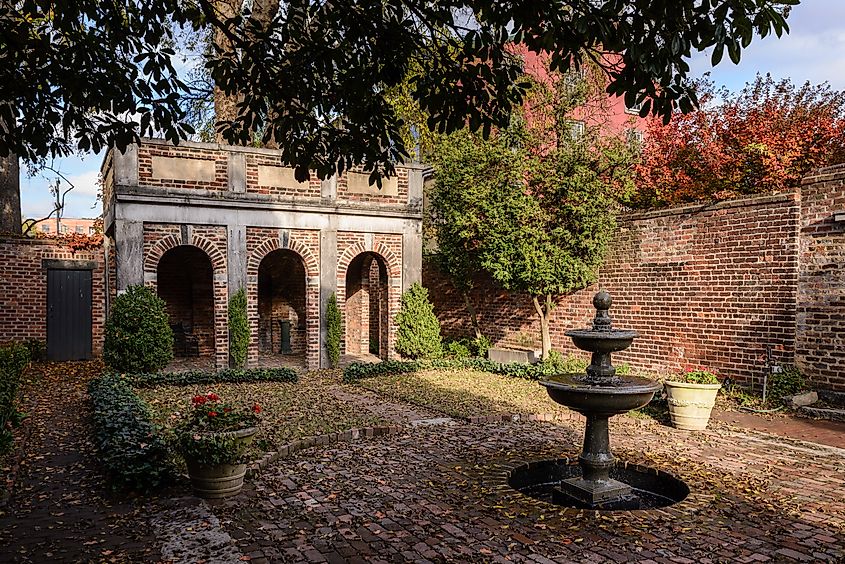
(238, 330)
(419, 330)
(138, 334)
(334, 330)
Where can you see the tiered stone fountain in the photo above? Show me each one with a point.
(599, 394)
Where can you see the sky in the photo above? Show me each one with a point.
(813, 51)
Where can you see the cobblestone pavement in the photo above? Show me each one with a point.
(435, 494)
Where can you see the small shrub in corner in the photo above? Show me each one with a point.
(334, 329)
(138, 335)
(238, 330)
(418, 328)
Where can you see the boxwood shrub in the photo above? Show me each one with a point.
(138, 335)
(131, 447)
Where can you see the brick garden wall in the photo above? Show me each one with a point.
(820, 328)
(712, 286)
(23, 289)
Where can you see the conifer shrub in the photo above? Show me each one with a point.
(418, 328)
(334, 330)
(238, 330)
(138, 335)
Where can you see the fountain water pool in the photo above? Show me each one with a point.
(598, 482)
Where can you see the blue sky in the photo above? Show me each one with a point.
(813, 51)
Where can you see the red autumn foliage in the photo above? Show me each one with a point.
(763, 139)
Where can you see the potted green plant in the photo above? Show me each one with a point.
(691, 396)
(212, 439)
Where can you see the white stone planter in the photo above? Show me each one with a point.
(690, 404)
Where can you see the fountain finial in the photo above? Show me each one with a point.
(602, 302)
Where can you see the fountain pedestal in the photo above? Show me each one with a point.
(598, 395)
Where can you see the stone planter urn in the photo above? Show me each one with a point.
(690, 404)
(216, 481)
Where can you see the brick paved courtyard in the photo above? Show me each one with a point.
(435, 494)
(431, 492)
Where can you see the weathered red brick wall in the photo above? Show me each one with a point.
(23, 288)
(147, 151)
(820, 328)
(704, 285)
(305, 191)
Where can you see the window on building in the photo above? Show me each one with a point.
(80, 229)
(576, 129)
(635, 109)
(45, 228)
(91, 231)
(63, 229)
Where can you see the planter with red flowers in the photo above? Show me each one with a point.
(213, 440)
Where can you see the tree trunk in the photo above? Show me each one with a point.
(544, 310)
(472, 315)
(225, 106)
(10, 195)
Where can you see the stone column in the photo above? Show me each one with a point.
(129, 254)
(237, 257)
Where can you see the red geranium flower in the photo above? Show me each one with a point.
(256, 408)
(212, 414)
(227, 409)
(213, 397)
(199, 400)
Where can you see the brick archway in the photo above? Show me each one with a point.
(152, 258)
(311, 268)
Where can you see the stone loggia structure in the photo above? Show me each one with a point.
(199, 221)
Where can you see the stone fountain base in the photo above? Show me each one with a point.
(554, 481)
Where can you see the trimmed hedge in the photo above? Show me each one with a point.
(359, 370)
(227, 376)
(13, 360)
(131, 447)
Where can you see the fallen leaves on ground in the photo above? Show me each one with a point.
(466, 393)
(290, 411)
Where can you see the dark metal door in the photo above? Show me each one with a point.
(68, 314)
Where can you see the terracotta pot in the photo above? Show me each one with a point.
(215, 481)
(690, 404)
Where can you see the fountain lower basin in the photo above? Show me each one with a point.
(585, 395)
(651, 488)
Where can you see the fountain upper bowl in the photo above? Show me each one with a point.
(613, 340)
(579, 393)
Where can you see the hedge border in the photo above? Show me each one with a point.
(358, 371)
(226, 376)
(132, 448)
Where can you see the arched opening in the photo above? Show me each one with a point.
(367, 314)
(185, 281)
(281, 305)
